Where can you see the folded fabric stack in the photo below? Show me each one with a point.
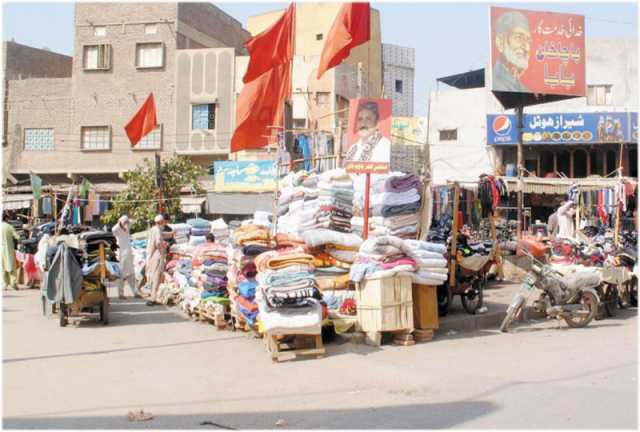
(387, 256)
(199, 227)
(210, 265)
(431, 261)
(333, 253)
(295, 188)
(287, 288)
(90, 241)
(249, 241)
(336, 201)
(181, 231)
(220, 231)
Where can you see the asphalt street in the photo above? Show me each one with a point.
(541, 375)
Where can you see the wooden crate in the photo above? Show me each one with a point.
(301, 345)
(385, 304)
(425, 307)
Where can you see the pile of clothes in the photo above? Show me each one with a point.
(220, 231)
(199, 229)
(296, 188)
(210, 266)
(394, 206)
(181, 232)
(491, 191)
(288, 296)
(388, 256)
(249, 241)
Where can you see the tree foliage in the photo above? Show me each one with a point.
(139, 199)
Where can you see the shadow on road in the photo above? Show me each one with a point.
(413, 416)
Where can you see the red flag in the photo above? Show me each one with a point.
(350, 29)
(260, 105)
(143, 122)
(272, 47)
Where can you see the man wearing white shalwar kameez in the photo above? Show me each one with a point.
(156, 247)
(125, 256)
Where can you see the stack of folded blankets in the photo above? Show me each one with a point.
(334, 252)
(295, 189)
(210, 266)
(181, 231)
(394, 205)
(199, 229)
(287, 295)
(220, 231)
(388, 256)
(336, 201)
(249, 241)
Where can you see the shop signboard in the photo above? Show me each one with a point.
(537, 52)
(563, 128)
(369, 136)
(408, 130)
(244, 176)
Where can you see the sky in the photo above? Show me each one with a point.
(448, 37)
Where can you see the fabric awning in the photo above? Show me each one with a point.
(238, 203)
(192, 204)
(560, 186)
(16, 201)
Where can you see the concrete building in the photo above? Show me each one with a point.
(184, 53)
(460, 123)
(399, 64)
(360, 74)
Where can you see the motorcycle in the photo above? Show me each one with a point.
(572, 298)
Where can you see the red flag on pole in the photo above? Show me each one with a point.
(350, 29)
(267, 84)
(143, 122)
(272, 47)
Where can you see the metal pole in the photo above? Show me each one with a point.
(367, 186)
(519, 113)
(454, 236)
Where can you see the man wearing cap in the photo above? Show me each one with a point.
(156, 247)
(566, 224)
(513, 42)
(125, 256)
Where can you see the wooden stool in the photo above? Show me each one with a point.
(302, 345)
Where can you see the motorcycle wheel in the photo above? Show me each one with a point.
(589, 308)
(512, 313)
(444, 299)
(633, 291)
(472, 300)
(611, 300)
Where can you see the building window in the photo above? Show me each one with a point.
(299, 123)
(100, 31)
(398, 86)
(203, 116)
(599, 95)
(323, 98)
(97, 57)
(95, 137)
(448, 134)
(149, 55)
(319, 36)
(151, 141)
(38, 140)
(150, 29)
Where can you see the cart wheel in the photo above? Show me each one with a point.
(444, 299)
(63, 314)
(472, 298)
(104, 312)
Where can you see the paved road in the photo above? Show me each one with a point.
(541, 376)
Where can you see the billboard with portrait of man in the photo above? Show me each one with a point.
(369, 136)
(535, 52)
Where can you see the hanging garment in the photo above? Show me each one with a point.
(601, 213)
(36, 186)
(46, 206)
(303, 145)
(83, 189)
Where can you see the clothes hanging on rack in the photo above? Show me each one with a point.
(46, 206)
(302, 143)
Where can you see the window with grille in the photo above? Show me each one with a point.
(97, 57)
(323, 98)
(203, 116)
(398, 86)
(149, 55)
(151, 141)
(95, 137)
(38, 140)
(319, 36)
(448, 134)
(599, 95)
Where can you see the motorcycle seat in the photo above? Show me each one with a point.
(582, 280)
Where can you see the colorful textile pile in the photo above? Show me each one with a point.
(388, 256)
(210, 266)
(181, 232)
(220, 231)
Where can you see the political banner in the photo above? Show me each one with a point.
(369, 136)
(537, 52)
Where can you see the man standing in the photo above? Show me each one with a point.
(566, 225)
(156, 247)
(513, 42)
(125, 256)
(552, 225)
(9, 235)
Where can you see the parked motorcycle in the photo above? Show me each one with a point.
(572, 298)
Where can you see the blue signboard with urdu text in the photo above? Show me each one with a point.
(244, 176)
(563, 128)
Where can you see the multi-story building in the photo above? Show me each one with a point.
(62, 128)
(321, 103)
(399, 65)
(471, 134)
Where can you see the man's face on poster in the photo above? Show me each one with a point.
(515, 45)
(366, 123)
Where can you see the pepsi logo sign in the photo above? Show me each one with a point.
(502, 125)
